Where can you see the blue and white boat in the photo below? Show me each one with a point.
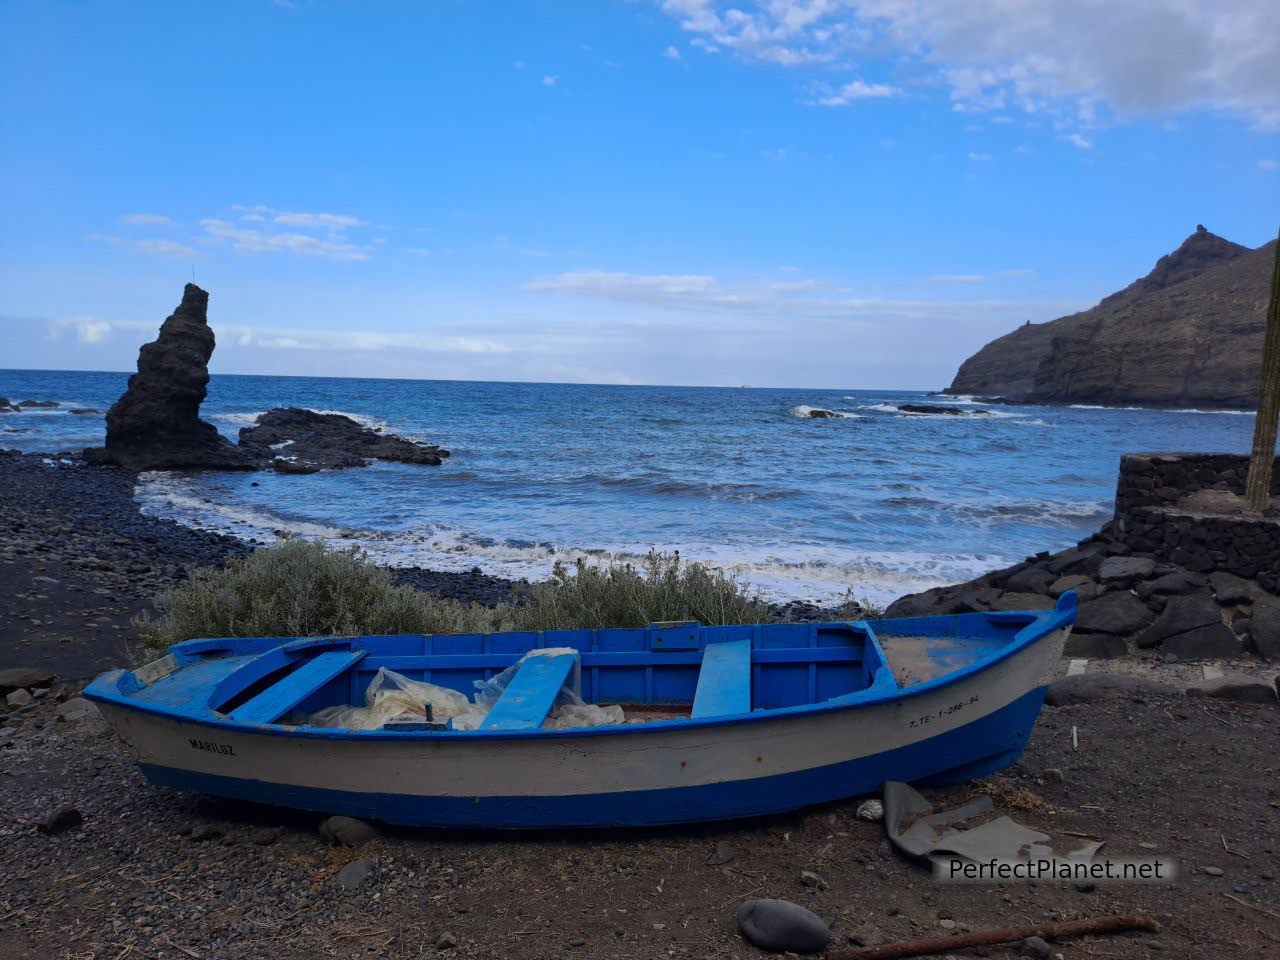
(723, 722)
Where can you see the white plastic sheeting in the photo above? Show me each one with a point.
(394, 697)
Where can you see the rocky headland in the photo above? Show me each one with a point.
(1187, 335)
(156, 424)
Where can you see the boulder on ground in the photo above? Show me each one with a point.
(1125, 571)
(1242, 689)
(1177, 582)
(1087, 687)
(354, 873)
(156, 424)
(782, 926)
(25, 677)
(1264, 628)
(1231, 590)
(348, 832)
(60, 820)
(1030, 580)
(1191, 627)
(1095, 646)
(1119, 613)
(1023, 601)
(1086, 589)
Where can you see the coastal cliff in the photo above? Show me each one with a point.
(1188, 334)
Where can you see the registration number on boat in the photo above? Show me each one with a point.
(939, 714)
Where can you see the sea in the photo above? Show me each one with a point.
(869, 504)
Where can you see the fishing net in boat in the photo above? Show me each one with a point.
(393, 698)
(568, 711)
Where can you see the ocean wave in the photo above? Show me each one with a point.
(1103, 406)
(1056, 512)
(804, 412)
(966, 415)
(778, 572)
(249, 419)
(664, 485)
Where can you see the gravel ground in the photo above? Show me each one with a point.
(152, 873)
(157, 874)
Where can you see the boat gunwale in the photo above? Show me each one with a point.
(105, 689)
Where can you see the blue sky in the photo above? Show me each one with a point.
(822, 193)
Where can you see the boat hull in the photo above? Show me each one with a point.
(634, 776)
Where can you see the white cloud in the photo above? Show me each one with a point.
(144, 220)
(1017, 273)
(155, 247)
(317, 221)
(1271, 166)
(1076, 140)
(704, 293)
(857, 90)
(92, 331)
(550, 81)
(979, 157)
(1140, 57)
(360, 340)
(671, 53)
(955, 278)
(327, 240)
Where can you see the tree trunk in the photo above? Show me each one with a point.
(1258, 488)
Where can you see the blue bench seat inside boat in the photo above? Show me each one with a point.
(295, 687)
(724, 682)
(532, 692)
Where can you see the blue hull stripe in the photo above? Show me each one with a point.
(973, 750)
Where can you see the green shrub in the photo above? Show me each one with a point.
(619, 595)
(302, 588)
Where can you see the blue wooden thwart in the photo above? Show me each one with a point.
(282, 696)
(724, 684)
(529, 696)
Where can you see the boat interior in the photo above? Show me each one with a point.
(665, 671)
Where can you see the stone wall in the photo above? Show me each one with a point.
(1157, 513)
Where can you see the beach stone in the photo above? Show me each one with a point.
(1125, 571)
(1095, 646)
(723, 853)
(1213, 871)
(18, 698)
(1083, 560)
(19, 677)
(810, 879)
(60, 820)
(870, 810)
(1119, 613)
(78, 709)
(355, 873)
(1023, 601)
(1242, 689)
(1088, 687)
(1036, 948)
(780, 925)
(204, 832)
(1264, 628)
(446, 941)
(1085, 587)
(348, 832)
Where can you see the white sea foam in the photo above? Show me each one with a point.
(1101, 406)
(967, 414)
(818, 573)
(804, 412)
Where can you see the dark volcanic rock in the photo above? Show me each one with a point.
(1087, 687)
(1187, 334)
(930, 408)
(817, 413)
(780, 925)
(1241, 689)
(1264, 628)
(1116, 613)
(1183, 614)
(16, 678)
(303, 441)
(1095, 646)
(1125, 571)
(156, 424)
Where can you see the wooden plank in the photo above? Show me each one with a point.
(1077, 667)
(724, 683)
(281, 697)
(529, 696)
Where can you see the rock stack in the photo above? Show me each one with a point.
(156, 424)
